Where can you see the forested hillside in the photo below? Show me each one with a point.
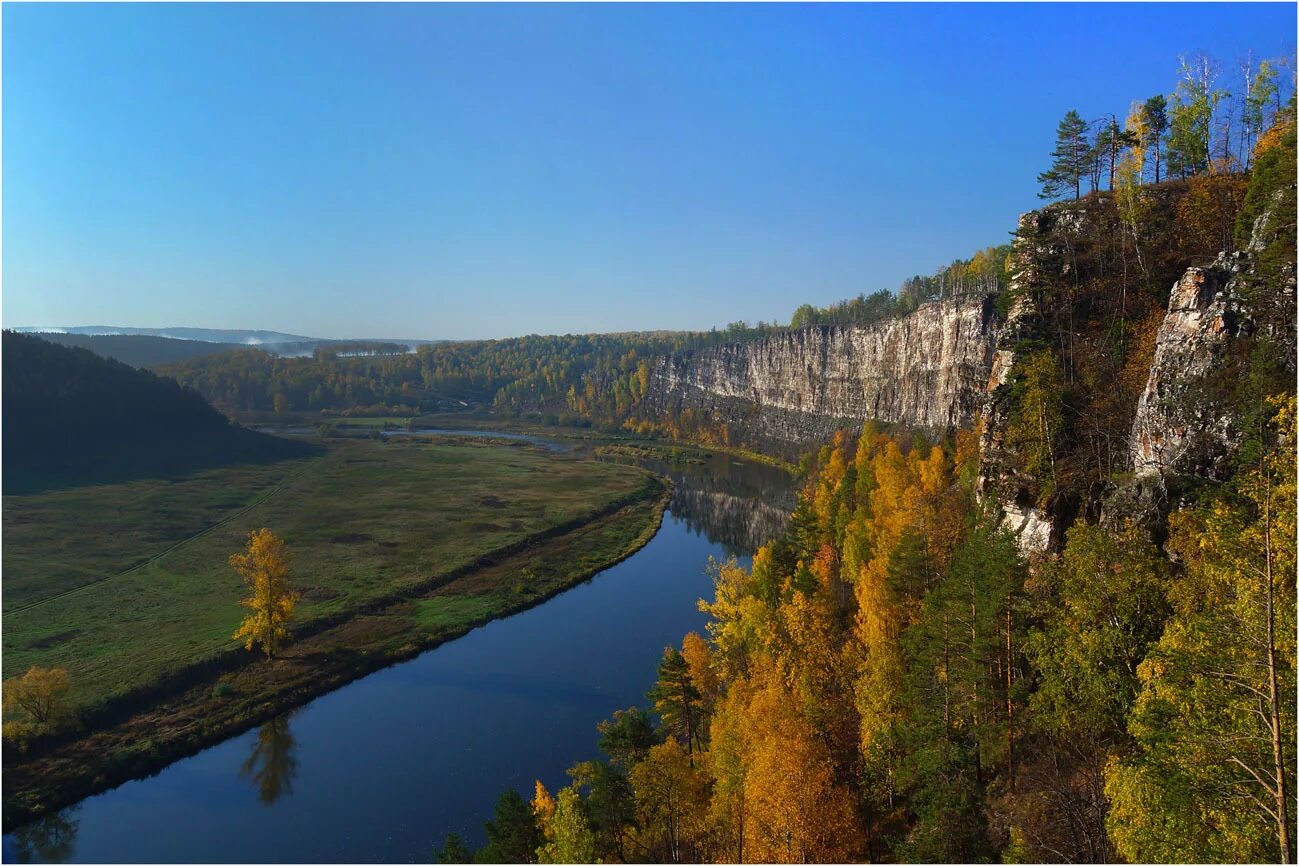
(576, 375)
(72, 417)
(904, 675)
(891, 680)
(138, 350)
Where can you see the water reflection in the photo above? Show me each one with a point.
(48, 840)
(271, 764)
(736, 503)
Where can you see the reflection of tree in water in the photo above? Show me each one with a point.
(48, 840)
(271, 764)
(737, 504)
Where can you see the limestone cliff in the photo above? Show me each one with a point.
(1178, 426)
(1146, 397)
(926, 369)
(1187, 425)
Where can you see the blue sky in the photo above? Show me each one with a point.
(467, 171)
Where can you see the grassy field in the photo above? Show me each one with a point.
(363, 521)
(214, 707)
(60, 540)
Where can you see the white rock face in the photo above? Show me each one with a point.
(927, 369)
(1173, 423)
(1031, 528)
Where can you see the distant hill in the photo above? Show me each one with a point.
(139, 350)
(153, 347)
(205, 335)
(72, 417)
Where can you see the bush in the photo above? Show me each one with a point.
(19, 734)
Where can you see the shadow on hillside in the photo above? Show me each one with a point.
(65, 465)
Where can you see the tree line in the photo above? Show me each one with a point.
(570, 378)
(1211, 122)
(984, 273)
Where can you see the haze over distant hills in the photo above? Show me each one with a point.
(150, 347)
(204, 335)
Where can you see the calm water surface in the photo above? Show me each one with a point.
(384, 768)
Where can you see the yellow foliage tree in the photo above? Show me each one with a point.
(264, 566)
(671, 803)
(738, 619)
(543, 804)
(796, 812)
(699, 657)
(41, 696)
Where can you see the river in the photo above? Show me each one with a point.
(383, 768)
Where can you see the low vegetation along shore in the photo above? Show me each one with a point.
(396, 547)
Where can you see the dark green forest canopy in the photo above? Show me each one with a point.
(74, 417)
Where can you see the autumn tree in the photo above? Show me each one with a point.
(795, 809)
(1132, 205)
(728, 762)
(742, 605)
(568, 836)
(671, 804)
(264, 566)
(1070, 158)
(36, 702)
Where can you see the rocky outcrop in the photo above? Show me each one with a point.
(927, 369)
(999, 478)
(1186, 428)
(1179, 426)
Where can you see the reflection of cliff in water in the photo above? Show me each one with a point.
(733, 502)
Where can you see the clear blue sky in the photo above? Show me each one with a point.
(482, 171)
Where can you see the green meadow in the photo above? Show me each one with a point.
(123, 583)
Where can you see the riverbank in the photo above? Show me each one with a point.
(487, 421)
(593, 435)
(125, 585)
(219, 703)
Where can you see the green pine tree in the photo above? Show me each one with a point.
(1070, 159)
